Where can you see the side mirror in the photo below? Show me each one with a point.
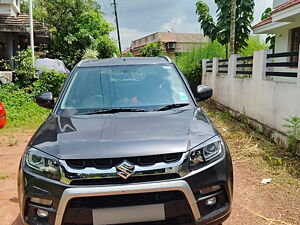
(45, 100)
(203, 92)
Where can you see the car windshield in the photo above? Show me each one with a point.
(144, 87)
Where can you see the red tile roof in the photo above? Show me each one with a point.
(277, 9)
(264, 22)
(285, 5)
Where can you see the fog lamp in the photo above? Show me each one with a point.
(42, 213)
(211, 201)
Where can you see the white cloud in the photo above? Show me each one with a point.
(180, 25)
(128, 35)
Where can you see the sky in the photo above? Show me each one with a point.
(138, 18)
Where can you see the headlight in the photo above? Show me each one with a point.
(206, 153)
(42, 164)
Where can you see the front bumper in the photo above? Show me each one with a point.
(191, 207)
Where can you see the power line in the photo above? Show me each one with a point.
(155, 17)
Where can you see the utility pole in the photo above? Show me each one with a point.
(232, 27)
(31, 31)
(117, 24)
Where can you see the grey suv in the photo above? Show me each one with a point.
(126, 143)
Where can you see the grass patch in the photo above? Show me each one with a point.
(22, 111)
(248, 145)
(2, 176)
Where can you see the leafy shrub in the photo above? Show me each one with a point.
(129, 54)
(25, 70)
(190, 62)
(254, 43)
(293, 124)
(90, 54)
(20, 107)
(49, 81)
(152, 49)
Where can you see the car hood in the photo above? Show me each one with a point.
(122, 134)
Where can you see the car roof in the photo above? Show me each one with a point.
(124, 61)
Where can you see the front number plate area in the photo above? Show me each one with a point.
(131, 214)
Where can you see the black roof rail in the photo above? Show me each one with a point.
(167, 58)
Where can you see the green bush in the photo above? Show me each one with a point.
(293, 133)
(20, 107)
(25, 70)
(49, 81)
(90, 53)
(152, 49)
(254, 43)
(190, 62)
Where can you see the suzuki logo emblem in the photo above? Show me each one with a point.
(125, 169)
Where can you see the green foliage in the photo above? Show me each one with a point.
(270, 40)
(293, 125)
(75, 26)
(190, 62)
(152, 49)
(2, 176)
(106, 47)
(129, 54)
(266, 14)
(206, 20)
(24, 6)
(90, 54)
(49, 82)
(25, 70)
(20, 107)
(220, 30)
(253, 44)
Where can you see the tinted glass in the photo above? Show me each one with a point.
(139, 86)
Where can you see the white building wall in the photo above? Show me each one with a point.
(283, 39)
(263, 100)
(9, 7)
(283, 44)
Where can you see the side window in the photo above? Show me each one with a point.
(295, 42)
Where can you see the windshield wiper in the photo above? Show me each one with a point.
(171, 106)
(112, 110)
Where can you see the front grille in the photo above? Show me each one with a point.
(177, 210)
(125, 200)
(109, 163)
(119, 180)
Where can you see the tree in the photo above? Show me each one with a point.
(75, 25)
(152, 49)
(24, 6)
(232, 27)
(220, 30)
(271, 37)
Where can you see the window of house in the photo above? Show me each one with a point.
(295, 42)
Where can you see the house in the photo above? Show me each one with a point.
(14, 30)
(284, 22)
(173, 43)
